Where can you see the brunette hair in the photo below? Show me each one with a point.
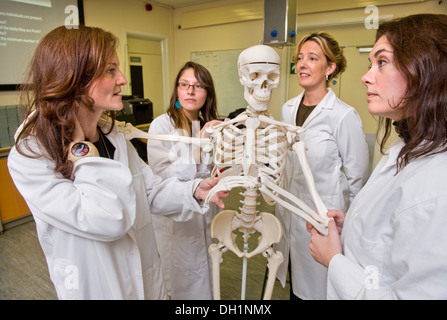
(330, 48)
(420, 55)
(64, 66)
(207, 112)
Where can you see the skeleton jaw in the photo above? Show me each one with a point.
(257, 101)
(265, 98)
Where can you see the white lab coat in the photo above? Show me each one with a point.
(183, 246)
(338, 158)
(394, 234)
(96, 230)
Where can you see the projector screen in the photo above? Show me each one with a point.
(22, 24)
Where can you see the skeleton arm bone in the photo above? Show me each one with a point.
(228, 183)
(300, 150)
(241, 117)
(292, 130)
(277, 123)
(299, 208)
(131, 132)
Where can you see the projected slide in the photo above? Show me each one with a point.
(22, 24)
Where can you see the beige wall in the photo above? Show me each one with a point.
(347, 26)
(130, 16)
(122, 18)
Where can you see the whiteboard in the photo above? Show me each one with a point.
(223, 68)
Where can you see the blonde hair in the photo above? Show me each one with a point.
(330, 48)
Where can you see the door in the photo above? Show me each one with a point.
(145, 63)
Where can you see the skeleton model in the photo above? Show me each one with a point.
(250, 152)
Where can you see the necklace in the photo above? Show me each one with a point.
(104, 144)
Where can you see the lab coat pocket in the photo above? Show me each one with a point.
(143, 216)
(153, 276)
(320, 147)
(372, 256)
(322, 154)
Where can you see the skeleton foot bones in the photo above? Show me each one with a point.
(250, 152)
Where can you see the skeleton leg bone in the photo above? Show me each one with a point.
(216, 251)
(274, 261)
(222, 228)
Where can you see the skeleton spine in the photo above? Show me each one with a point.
(248, 210)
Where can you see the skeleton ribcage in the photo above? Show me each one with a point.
(267, 156)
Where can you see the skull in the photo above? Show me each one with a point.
(259, 73)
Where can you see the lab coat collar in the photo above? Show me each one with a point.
(117, 138)
(326, 103)
(390, 157)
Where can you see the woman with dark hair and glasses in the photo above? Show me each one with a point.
(184, 246)
(393, 236)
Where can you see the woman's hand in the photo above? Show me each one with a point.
(197, 153)
(203, 133)
(324, 248)
(204, 188)
(339, 218)
(78, 134)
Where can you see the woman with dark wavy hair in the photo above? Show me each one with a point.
(393, 234)
(90, 194)
(184, 246)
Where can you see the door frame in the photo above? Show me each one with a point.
(165, 59)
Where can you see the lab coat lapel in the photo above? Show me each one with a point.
(296, 106)
(121, 145)
(327, 103)
(118, 140)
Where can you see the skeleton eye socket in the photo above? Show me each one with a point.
(273, 76)
(254, 75)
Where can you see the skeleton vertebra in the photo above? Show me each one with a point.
(250, 151)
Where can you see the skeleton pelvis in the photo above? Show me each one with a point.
(226, 221)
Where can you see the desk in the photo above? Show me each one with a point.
(13, 207)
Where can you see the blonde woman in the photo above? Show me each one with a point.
(336, 149)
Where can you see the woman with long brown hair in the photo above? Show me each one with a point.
(184, 245)
(90, 194)
(393, 235)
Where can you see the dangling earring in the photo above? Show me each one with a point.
(178, 105)
(327, 77)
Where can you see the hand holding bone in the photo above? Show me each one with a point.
(203, 189)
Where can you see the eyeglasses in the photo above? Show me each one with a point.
(185, 86)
